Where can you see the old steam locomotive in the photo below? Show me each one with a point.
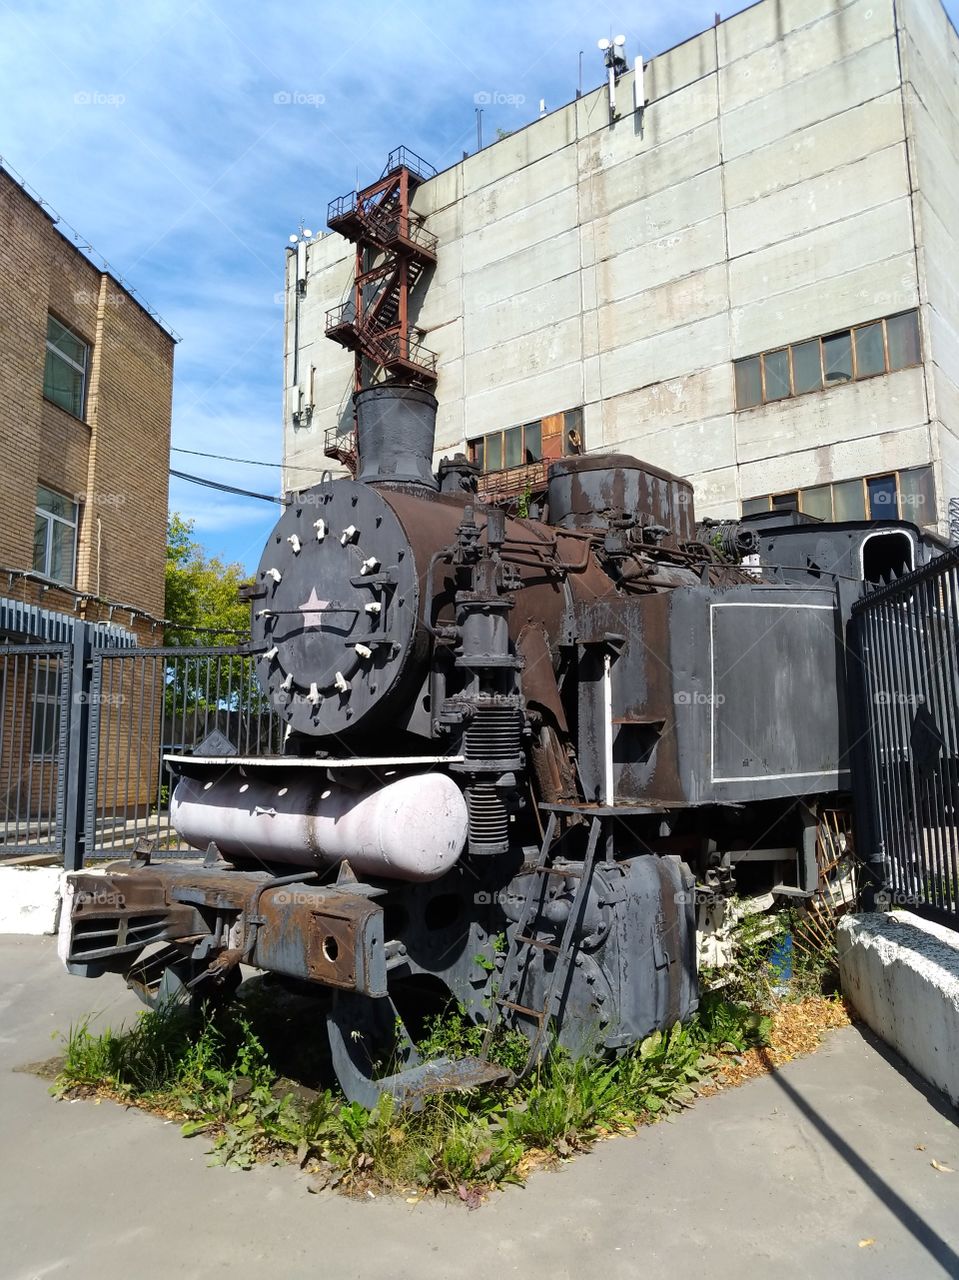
(519, 749)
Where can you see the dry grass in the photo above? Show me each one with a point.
(797, 1030)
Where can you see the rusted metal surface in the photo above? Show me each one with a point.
(316, 934)
(589, 492)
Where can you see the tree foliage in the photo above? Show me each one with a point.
(202, 593)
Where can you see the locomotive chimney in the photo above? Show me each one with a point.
(395, 430)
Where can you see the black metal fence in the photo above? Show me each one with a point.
(146, 704)
(84, 731)
(907, 639)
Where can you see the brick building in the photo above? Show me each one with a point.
(85, 400)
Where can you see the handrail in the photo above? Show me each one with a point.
(404, 158)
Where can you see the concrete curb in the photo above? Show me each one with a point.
(902, 975)
(29, 899)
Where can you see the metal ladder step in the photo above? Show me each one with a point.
(513, 975)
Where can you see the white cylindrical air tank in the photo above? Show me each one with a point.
(412, 828)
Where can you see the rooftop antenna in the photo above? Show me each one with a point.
(479, 128)
(300, 241)
(614, 56)
(579, 89)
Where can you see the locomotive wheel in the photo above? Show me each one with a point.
(370, 1047)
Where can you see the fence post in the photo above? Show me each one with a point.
(869, 840)
(78, 748)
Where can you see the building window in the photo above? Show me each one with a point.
(881, 346)
(551, 437)
(45, 731)
(895, 495)
(65, 374)
(55, 536)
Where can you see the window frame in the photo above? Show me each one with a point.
(895, 473)
(856, 376)
(471, 446)
(51, 517)
(53, 350)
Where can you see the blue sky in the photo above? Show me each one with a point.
(186, 141)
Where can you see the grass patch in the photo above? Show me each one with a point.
(219, 1077)
(250, 1078)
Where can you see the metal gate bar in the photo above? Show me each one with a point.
(906, 635)
(34, 723)
(145, 703)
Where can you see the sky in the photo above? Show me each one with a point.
(188, 141)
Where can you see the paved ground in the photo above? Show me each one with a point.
(783, 1177)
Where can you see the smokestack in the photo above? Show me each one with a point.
(395, 431)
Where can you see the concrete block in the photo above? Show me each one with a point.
(525, 270)
(806, 206)
(715, 493)
(857, 411)
(844, 460)
(822, 255)
(764, 24)
(872, 72)
(818, 149)
(925, 28)
(657, 309)
(516, 191)
(902, 975)
(537, 224)
(525, 313)
(942, 341)
(689, 450)
(880, 289)
(29, 899)
(667, 258)
(606, 187)
(682, 65)
(445, 339)
(528, 355)
(668, 405)
(804, 51)
(666, 355)
(664, 214)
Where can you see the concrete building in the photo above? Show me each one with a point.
(747, 280)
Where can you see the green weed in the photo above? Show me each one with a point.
(218, 1073)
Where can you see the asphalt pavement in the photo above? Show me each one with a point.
(823, 1169)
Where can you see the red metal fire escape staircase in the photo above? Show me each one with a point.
(393, 249)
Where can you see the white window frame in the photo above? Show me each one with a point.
(54, 350)
(51, 517)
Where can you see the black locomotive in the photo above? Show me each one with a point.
(520, 751)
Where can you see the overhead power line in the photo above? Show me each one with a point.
(252, 462)
(225, 488)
